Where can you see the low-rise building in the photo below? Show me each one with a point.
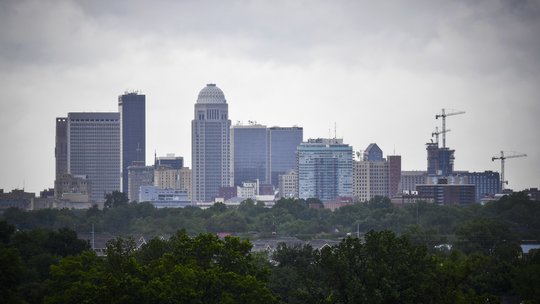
(164, 198)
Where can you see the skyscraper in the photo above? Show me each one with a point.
(94, 151)
(210, 144)
(131, 107)
(440, 161)
(248, 153)
(324, 169)
(282, 143)
(370, 179)
(394, 174)
(60, 148)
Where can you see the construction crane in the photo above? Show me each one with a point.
(437, 133)
(502, 158)
(443, 115)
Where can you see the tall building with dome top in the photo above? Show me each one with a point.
(210, 145)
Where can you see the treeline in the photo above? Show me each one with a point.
(430, 223)
(40, 266)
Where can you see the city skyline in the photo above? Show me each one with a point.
(379, 72)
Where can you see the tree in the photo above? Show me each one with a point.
(483, 235)
(115, 199)
(203, 269)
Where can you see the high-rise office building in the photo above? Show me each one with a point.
(394, 174)
(370, 179)
(94, 151)
(248, 153)
(60, 148)
(210, 144)
(324, 169)
(131, 107)
(440, 161)
(375, 175)
(282, 144)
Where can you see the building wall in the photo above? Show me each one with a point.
(394, 174)
(164, 198)
(324, 169)
(94, 151)
(448, 194)
(175, 162)
(248, 153)
(139, 176)
(486, 183)
(184, 175)
(61, 146)
(440, 161)
(132, 109)
(370, 179)
(409, 180)
(282, 144)
(67, 183)
(288, 184)
(210, 145)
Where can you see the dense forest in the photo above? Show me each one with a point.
(396, 259)
(516, 214)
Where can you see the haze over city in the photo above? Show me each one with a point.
(366, 72)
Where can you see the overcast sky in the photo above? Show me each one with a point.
(379, 70)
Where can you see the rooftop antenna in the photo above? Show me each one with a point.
(335, 130)
(138, 150)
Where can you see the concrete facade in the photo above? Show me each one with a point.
(94, 151)
(210, 145)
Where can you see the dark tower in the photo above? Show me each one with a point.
(133, 135)
(60, 148)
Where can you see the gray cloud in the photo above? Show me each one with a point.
(380, 69)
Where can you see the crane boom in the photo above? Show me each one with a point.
(437, 133)
(443, 115)
(503, 157)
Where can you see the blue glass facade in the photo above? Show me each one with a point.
(282, 144)
(440, 161)
(174, 162)
(486, 183)
(249, 160)
(132, 109)
(324, 169)
(373, 153)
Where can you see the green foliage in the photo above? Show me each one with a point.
(484, 235)
(384, 269)
(526, 278)
(26, 258)
(203, 269)
(115, 199)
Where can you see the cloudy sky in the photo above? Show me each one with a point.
(378, 70)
